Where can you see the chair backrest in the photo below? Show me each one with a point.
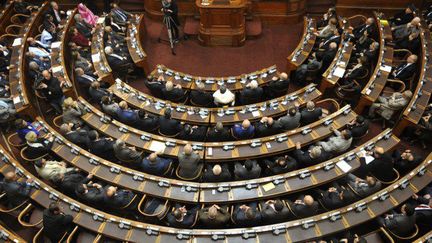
(403, 238)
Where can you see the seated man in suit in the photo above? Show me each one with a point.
(189, 161)
(51, 88)
(310, 113)
(109, 106)
(402, 31)
(405, 71)
(403, 17)
(55, 222)
(85, 79)
(265, 127)
(280, 165)
(146, 122)
(312, 65)
(217, 173)
(68, 182)
(223, 97)
(118, 63)
(243, 131)
(304, 206)
(332, 198)
(382, 166)
(126, 154)
(85, 29)
(173, 93)
(368, 26)
(125, 114)
(411, 42)
(363, 188)
(423, 209)
(357, 72)
(199, 97)
(49, 169)
(101, 146)
(78, 136)
(405, 161)
(246, 215)
(193, 133)
(26, 8)
(401, 224)
(252, 93)
(96, 92)
(277, 87)
(92, 193)
(315, 155)
(117, 198)
(387, 106)
(181, 217)
(119, 15)
(338, 143)
(155, 165)
(155, 85)
(327, 30)
(274, 211)
(167, 126)
(324, 44)
(359, 127)
(218, 133)
(289, 121)
(327, 57)
(16, 191)
(214, 216)
(250, 170)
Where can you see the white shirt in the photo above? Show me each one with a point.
(39, 51)
(46, 38)
(225, 98)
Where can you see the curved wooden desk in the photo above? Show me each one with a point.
(100, 62)
(304, 48)
(135, 33)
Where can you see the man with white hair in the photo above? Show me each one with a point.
(199, 97)
(223, 96)
(217, 173)
(251, 93)
(368, 27)
(405, 70)
(118, 63)
(310, 113)
(314, 155)
(387, 106)
(189, 162)
(173, 92)
(278, 86)
(83, 27)
(402, 31)
(126, 154)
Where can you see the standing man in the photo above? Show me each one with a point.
(170, 10)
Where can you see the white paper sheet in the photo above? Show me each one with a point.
(339, 72)
(157, 146)
(96, 57)
(17, 42)
(55, 45)
(344, 166)
(386, 68)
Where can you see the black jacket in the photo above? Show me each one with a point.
(250, 96)
(358, 130)
(201, 98)
(169, 127)
(263, 129)
(102, 148)
(276, 88)
(308, 117)
(174, 95)
(302, 210)
(79, 137)
(215, 136)
(210, 177)
(382, 168)
(16, 192)
(55, 225)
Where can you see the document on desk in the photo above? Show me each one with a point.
(269, 186)
(57, 69)
(157, 146)
(17, 42)
(368, 158)
(101, 20)
(386, 68)
(256, 113)
(344, 166)
(16, 100)
(96, 57)
(339, 72)
(55, 45)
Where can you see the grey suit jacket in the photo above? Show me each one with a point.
(288, 122)
(188, 165)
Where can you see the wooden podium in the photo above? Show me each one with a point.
(222, 22)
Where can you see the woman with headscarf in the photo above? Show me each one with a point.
(87, 15)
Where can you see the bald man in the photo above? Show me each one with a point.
(382, 166)
(277, 87)
(173, 92)
(304, 206)
(117, 198)
(217, 173)
(16, 191)
(405, 30)
(218, 133)
(265, 127)
(199, 97)
(326, 57)
(406, 70)
(189, 163)
(243, 131)
(368, 26)
(252, 93)
(214, 216)
(155, 165)
(51, 88)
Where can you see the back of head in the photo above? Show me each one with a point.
(310, 105)
(123, 105)
(308, 200)
(177, 214)
(167, 113)
(105, 100)
(54, 208)
(278, 205)
(407, 94)
(219, 126)
(283, 76)
(253, 84)
(360, 119)
(31, 137)
(212, 212)
(222, 89)
(169, 86)
(108, 50)
(292, 111)
(333, 45)
(64, 128)
(152, 157)
(250, 213)
(9, 176)
(200, 86)
(119, 143)
(248, 164)
(217, 170)
(19, 123)
(347, 134)
(371, 181)
(315, 152)
(141, 113)
(187, 149)
(246, 123)
(93, 135)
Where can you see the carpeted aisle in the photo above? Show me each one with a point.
(272, 47)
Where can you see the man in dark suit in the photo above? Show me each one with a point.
(51, 88)
(55, 222)
(57, 14)
(280, 165)
(403, 17)
(126, 154)
(117, 62)
(68, 182)
(368, 26)
(117, 198)
(78, 136)
(84, 28)
(199, 97)
(83, 78)
(274, 211)
(218, 133)
(265, 127)
(146, 122)
(304, 206)
(217, 173)
(327, 57)
(406, 70)
(357, 72)
(382, 166)
(193, 133)
(336, 197)
(405, 161)
(155, 165)
(102, 147)
(169, 127)
(156, 85)
(92, 193)
(363, 188)
(16, 191)
(324, 44)
(277, 87)
(214, 216)
(125, 114)
(310, 113)
(411, 42)
(181, 217)
(246, 215)
(96, 92)
(252, 93)
(250, 170)
(402, 224)
(290, 120)
(423, 211)
(359, 127)
(314, 155)
(189, 163)
(118, 15)
(173, 93)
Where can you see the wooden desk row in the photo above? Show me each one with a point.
(135, 32)
(20, 95)
(220, 151)
(304, 48)
(210, 116)
(297, 230)
(211, 84)
(232, 191)
(5, 16)
(9, 236)
(61, 58)
(425, 238)
(378, 79)
(421, 98)
(98, 56)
